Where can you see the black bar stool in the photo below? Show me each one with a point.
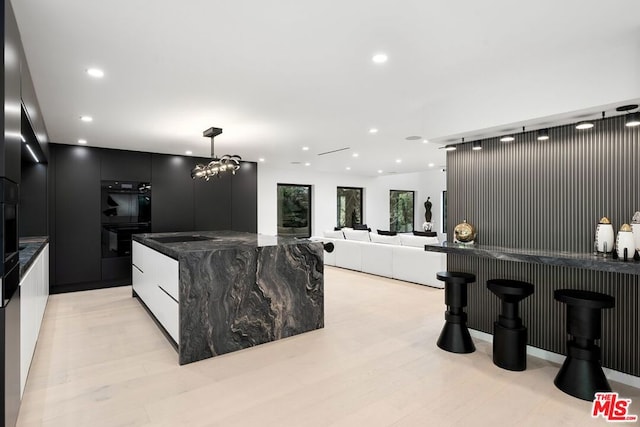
(509, 336)
(455, 335)
(581, 374)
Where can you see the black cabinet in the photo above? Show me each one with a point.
(212, 208)
(244, 198)
(11, 143)
(76, 212)
(125, 165)
(10, 360)
(173, 193)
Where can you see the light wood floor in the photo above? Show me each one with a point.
(101, 361)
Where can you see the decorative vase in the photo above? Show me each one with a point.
(635, 226)
(604, 236)
(625, 241)
(464, 233)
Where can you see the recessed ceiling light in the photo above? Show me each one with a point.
(431, 165)
(82, 141)
(373, 130)
(584, 125)
(425, 141)
(95, 72)
(305, 148)
(307, 164)
(507, 139)
(86, 118)
(379, 170)
(380, 58)
(348, 168)
(261, 159)
(413, 138)
(398, 160)
(188, 152)
(355, 154)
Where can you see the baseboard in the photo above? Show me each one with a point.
(88, 286)
(611, 374)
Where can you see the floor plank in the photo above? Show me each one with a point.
(101, 361)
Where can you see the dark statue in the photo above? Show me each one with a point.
(427, 210)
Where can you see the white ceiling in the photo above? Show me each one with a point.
(278, 75)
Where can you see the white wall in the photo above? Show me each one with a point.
(323, 196)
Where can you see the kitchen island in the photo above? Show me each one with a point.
(217, 292)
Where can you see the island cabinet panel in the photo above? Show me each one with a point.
(155, 281)
(236, 290)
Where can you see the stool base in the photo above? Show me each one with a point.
(455, 338)
(581, 378)
(510, 347)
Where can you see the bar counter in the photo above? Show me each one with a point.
(587, 261)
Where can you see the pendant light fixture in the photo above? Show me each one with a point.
(217, 166)
(476, 145)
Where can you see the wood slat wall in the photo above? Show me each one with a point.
(550, 195)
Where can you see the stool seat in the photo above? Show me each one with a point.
(510, 290)
(581, 373)
(586, 299)
(455, 277)
(455, 336)
(509, 335)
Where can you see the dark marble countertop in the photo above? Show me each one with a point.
(587, 261)
(30, 248)
(220, 240)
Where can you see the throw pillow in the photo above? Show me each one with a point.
(361, 227)
(425, 233)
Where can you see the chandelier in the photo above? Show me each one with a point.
(217, 165)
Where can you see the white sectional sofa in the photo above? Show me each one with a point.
(399, 257)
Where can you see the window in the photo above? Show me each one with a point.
(349, 206)
(294, 210)
(401, 208)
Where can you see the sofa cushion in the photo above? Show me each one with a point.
(388, 240)
(357, 235)
(416, 241)
(334, 234)
(387, 233)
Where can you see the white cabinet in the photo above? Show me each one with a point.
(34, 292)
(155, 280)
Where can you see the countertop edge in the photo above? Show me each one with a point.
(179, 251)
(585, 261)
(33, 248)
